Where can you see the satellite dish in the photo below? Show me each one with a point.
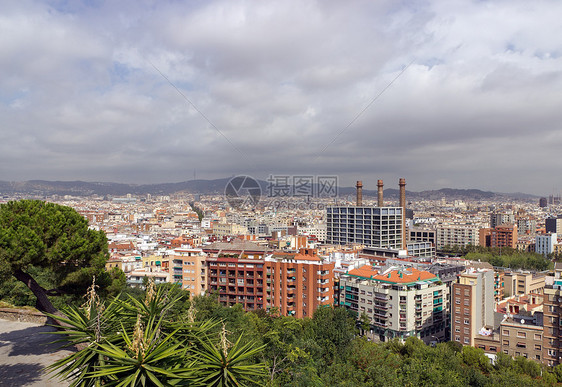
(522, 321)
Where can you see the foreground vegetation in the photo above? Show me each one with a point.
(164, 338)
(151, 341)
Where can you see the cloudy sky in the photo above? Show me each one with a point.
(462, 94)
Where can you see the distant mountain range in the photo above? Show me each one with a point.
(217, 186)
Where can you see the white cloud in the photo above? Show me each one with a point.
(81, 95)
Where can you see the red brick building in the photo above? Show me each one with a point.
(298, 283)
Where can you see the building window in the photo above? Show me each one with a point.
(505, 332)
(493, 349)
(538, 347)
(466, 321)
(538, 337)
(521, 334)
(521, 345)
(466, 340)
(457, 338)
(505, 342)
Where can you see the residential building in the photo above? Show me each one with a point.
(194, 273)
(552, 309)
(472, 306)
(501, 236)
(526, 226)
(499, 286)
(499, 218)
(236, 272)
(456, 235)
(398, 302)
(298, 283)
(523, 282)
(544, 243)
(553, 224)
(228, 229)
(522, 336)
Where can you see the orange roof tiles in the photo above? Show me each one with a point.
(396, 276)
(366, 271)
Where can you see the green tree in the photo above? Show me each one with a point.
(55, 240)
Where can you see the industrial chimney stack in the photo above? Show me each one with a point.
(402, 184)
(359, 187)
(380, 191)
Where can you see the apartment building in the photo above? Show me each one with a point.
(194, 270)
(456, 235)
(544, 243)
(499, 286)
(472, 306)
(236, 271)
(298, 283)
(520, 282)
(227, 229)
(501, 236)
(366, 225)
(398, 302)
(499, 218)
(552, 310)
(522, 337)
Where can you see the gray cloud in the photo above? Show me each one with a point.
(478, 107)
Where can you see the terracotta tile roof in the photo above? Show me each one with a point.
(406, 276)
(366, 271)
(396, 276)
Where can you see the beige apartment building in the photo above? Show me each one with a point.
(523, 283)
(227, 229)
(192, 271)
(457, 235)
(472, 305)
(520, 337)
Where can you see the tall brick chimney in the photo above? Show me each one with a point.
(359, 187)
(380, 192)
(402, 184)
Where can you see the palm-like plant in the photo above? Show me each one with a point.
(223, 366)
(148, 358)
(136, 343)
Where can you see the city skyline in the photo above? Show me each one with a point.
(460, 95)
